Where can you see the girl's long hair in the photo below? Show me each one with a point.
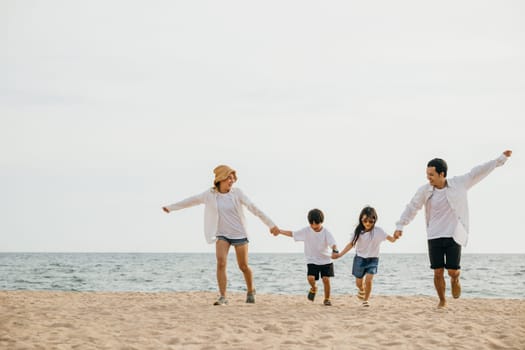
(360, 228)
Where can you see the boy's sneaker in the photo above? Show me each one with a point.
(221, 301)
(311, 294)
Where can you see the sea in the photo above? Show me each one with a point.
(482, 275)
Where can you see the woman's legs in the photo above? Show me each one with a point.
(221, 252)
(241, 251)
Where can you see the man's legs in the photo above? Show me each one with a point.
(439, 283)
(436, 252)
(454, 283)
(453, 258)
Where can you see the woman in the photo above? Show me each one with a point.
(224, 224)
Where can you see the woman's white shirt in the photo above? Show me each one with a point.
(230, 223)
(211, 211)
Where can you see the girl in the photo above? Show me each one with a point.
(367, 238)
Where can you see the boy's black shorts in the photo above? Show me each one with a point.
(325, 270)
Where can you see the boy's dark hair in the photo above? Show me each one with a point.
(439, 164)
(315, 216)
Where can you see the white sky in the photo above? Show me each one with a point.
(111, 109)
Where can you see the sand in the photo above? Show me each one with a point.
(188, 320)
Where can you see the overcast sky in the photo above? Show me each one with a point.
(111, 109)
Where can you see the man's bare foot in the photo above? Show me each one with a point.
(456, 287)
(442, 304)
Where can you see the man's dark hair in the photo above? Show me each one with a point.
(439, 164)
(315, 216)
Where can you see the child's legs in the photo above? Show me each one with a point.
(312, 275)
(311, 280)
(368, 285)
(326, 286)
(359, 283)
(327, 271)
(370, 267)
(358, 270)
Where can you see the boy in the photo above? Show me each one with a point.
(317, 241)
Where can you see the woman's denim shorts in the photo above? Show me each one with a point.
(234, 241)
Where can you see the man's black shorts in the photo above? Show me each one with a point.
(444, 253)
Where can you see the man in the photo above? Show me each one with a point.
(447, 218)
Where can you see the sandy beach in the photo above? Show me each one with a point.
(188, 320)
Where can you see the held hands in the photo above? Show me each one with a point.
(165, 209)
(275, 231)
(398, 234)
(278, 232)
(507, 153)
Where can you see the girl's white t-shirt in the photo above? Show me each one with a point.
(367, 245)
(230, 224)
(317, 245)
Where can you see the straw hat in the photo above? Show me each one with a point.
(222, 172)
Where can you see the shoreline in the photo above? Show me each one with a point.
(188, 320)
(337, 294)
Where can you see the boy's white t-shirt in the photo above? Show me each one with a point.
(316, 245)
(367, 245)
